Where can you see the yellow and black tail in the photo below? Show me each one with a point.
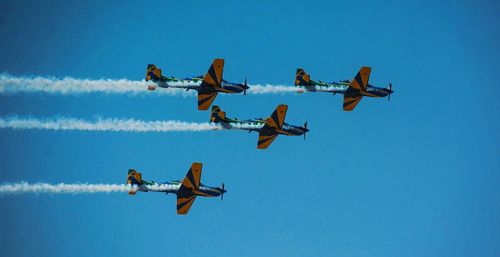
(153, 73)
(302, 78)
(217, 115)
(134, 178)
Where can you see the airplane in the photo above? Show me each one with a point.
(186, 191)
(268, 128)
(353, 90)
(208, 86)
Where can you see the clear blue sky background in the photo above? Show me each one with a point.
(417, 176)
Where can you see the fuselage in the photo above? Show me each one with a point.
(195, 83)
(342, 87)
(173, 187)
(258, 125)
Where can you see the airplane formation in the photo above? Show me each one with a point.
(212, 83)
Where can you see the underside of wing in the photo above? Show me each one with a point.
(350, 102)
(184, 203)
(205, 100)
(265, 140)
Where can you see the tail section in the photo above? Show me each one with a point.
(217, 115)
(153, 73)
(360, 82)
(302, 78)
(134, 178)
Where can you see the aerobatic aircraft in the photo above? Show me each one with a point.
(208, 86)
(268, 128)
(186, 191)
(353, 90)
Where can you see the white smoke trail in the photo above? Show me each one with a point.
(71, 86)
(62, 188)
(67, 86)
(258, 89)
(128, 125)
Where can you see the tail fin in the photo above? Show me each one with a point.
(217, 115)
(360, 82)
(153, 73)
(302, 78)
(134, 178)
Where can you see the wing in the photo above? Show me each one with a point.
(351, 101)
(205, 99)
(265, 140)
(184, 203)
(213, 77)
(192, 179)
(360, 82)
(278, 117)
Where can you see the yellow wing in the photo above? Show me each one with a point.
(192, 179)
(205, 99)
(213, 77)
(278, 117)
(184, 203)
(350, 102)
(360, 82)
(265, 140)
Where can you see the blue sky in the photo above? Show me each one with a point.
(417, 176)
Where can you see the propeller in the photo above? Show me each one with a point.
(305, 126)
(245, 87)
(389, 96)
(222, 193)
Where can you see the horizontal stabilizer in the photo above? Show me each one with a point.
(217, 115)
(302, 78)
(134, 178)
(153, 73)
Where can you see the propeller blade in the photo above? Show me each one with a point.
(245, 89)
(305, 126)
(222, 194)
(389, 96)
